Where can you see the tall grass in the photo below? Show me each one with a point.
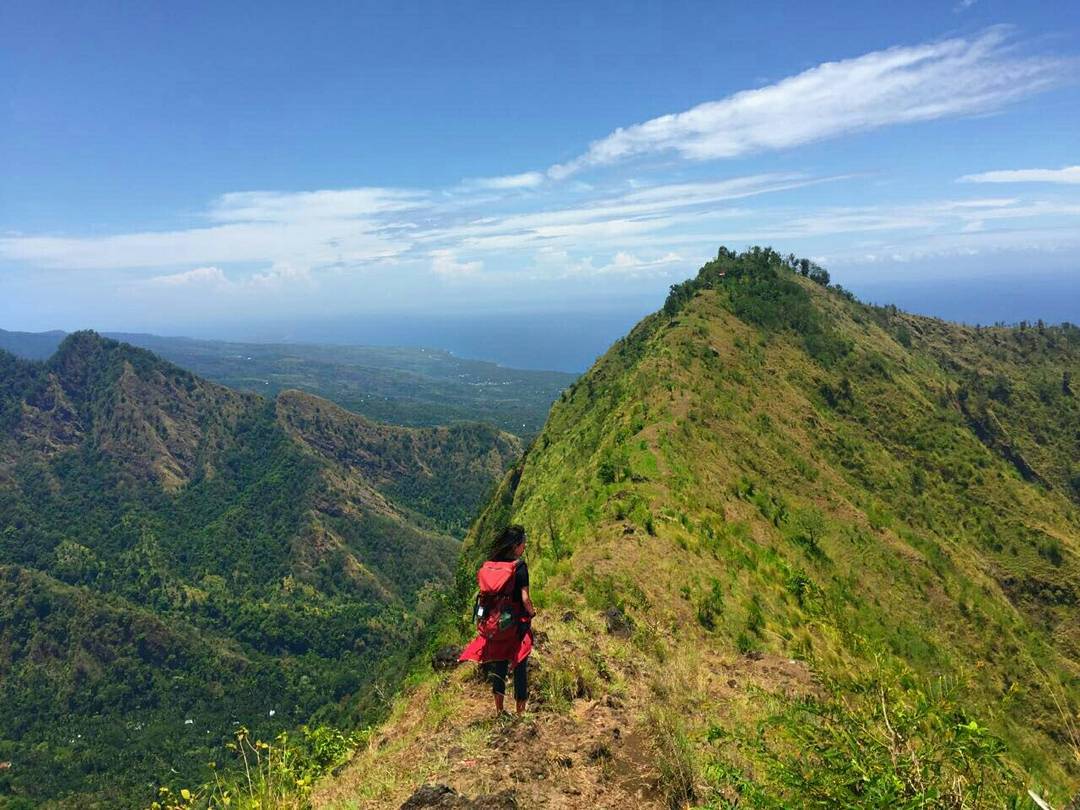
(274, 775)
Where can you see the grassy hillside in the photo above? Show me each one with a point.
(404, 386)
(178, 559)
(789, 550)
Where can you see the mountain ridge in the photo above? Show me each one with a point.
(768, 471)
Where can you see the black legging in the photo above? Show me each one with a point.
(497, 671)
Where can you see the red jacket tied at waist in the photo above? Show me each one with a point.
(514, 650)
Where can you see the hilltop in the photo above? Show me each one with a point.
(178, 558)
(415, 387)
(788, 550)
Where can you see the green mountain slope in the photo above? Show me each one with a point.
(173, 551)
(405, 386)
(790, 550)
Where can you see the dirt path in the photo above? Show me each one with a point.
(598, 755)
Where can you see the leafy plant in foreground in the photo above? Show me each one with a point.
(276, 774)
(874, 743)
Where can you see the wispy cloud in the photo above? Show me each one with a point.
(1068, 174)
(311, 229)
(900, 85)
(626, 263)
(971, 241)
(315, 244)
(634, 231)
(609, 217)
(326, 204)
(508, 182)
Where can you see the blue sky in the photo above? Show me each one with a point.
(191, 168)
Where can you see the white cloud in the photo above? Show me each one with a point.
(1068, 174)
(626, 263)
(508, 182)
(445, 263)
(614, 217)
(325, 204)
(198, 277)
(549, 263)
(202, 279)
(280, 275)
(636, 231)
(352, 229)
(967, 242)
(312, 229)
(898, 85)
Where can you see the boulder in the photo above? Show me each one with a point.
(446, 657)
(618, 623)
(444, 796)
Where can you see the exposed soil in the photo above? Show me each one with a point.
(598, 755)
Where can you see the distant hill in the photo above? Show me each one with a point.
(31, 345)
(789, 550)
(178, 558)
(406, 386)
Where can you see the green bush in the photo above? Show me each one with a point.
(872, 743)
(711, 606)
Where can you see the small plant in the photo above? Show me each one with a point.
(807, 528)
(745, 643)
(675, 759)
(801, 587)
(711, 606)
(559, 683)
(755, 619)
(272, 775)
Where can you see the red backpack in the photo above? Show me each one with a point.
(497, 614)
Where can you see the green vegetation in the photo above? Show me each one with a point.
(276, 774)
(872, 743)
(178, 560)
(402, 386)
(827, 552)
(788, 549)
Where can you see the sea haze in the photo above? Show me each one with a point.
(558, 341)
(1027, 295)
(572, 340)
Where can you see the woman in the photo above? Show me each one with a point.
(507, 649)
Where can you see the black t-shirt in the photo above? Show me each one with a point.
(521, 580)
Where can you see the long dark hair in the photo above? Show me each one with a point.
(509, 539)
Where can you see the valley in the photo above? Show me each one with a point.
(178, 559)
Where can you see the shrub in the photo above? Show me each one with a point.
(276, 774)
(559, 682)
(711, 606)
(874, 743)
(807, 527)
(675, 759)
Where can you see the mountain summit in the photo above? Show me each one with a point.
(788, 550)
